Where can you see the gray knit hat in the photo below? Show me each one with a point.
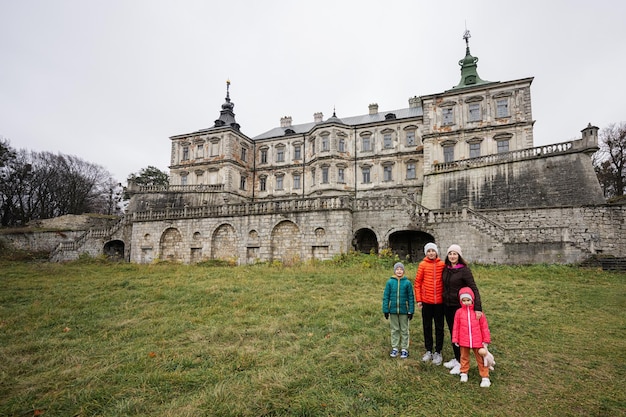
(431, 246)
(398, 265)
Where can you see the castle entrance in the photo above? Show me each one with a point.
(409, 244)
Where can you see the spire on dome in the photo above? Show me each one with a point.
(469, 73)
(227, 116)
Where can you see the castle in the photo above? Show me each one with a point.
(457, 166)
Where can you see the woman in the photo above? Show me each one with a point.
(457, 275)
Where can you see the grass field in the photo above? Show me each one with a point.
(117, 339)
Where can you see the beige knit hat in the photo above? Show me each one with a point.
(455, 248)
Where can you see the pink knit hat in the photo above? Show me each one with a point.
(455, 248)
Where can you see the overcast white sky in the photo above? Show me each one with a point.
(111, 80)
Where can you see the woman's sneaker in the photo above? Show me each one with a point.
(463, 377)
(427, 356)
(451, 363)
(456, 370)
(404, 354)
(485, 383)
(394, 352)
(437, 359)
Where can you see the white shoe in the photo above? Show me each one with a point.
(451, 363)
(456, 370)
(437, 359)
(485, 383)
(427, 356)
(463, 377)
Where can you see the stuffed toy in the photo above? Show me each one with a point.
(488, 359)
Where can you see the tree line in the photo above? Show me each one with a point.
(43, 185)
(610, 161)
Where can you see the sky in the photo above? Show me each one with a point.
(110, 81)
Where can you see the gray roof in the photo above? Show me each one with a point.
(350, 121)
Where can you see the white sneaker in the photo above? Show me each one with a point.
(456, 370)
(451, 363)
(464, 378)
(437, 359)
(485, 383)
(427, 356)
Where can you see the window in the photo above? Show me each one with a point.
(410, 170)
(448, 116)
(503, 146)
(410, 138)
(474, 112)
(325, 143)
(474, 150)
(366, 175)
(367, 145)
(214, 148)
(324, 175)
(263, 183)
(242, 182)
(244, 153)
(296, 181)
(341, 145)
(280, 154)
(279, 182)
(297, 152)
(183, 180)
(313, 146)
(185, 153)
(448, 154)
(341, 176)
(387, 140)
(387, 173)
(502, 107)
(199, 151)
(312, 176)
(264, 156)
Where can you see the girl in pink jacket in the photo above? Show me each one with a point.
(468, 332)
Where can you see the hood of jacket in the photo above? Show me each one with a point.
(466, 291)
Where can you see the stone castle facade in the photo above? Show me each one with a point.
(458, 166)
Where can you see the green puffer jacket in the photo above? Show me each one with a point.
(398, 297)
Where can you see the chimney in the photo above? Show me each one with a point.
(373, 108)
(415, 101)
(285, 121)
(318, 117)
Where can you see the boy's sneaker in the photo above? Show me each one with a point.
(437, 359)
(485, 383)
(427, 356)
(404, 354)
(456, 370)
(451, 363)
(394, 352)
(464, 378)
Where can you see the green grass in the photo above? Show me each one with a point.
(99, 339)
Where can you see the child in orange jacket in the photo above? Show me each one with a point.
(428, 289)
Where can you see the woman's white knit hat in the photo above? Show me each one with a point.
(431, 246)
(455, 248)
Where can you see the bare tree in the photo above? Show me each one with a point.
(39, 185)
(610, 160)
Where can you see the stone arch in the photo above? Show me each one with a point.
(114, 249)
(171, 245)
(286, 242)
(409, 244)
(365, 241)
(224, 244)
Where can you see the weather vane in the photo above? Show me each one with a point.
(466, 36)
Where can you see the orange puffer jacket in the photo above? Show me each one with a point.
(428, 283)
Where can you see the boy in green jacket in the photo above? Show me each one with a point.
(398, 308)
